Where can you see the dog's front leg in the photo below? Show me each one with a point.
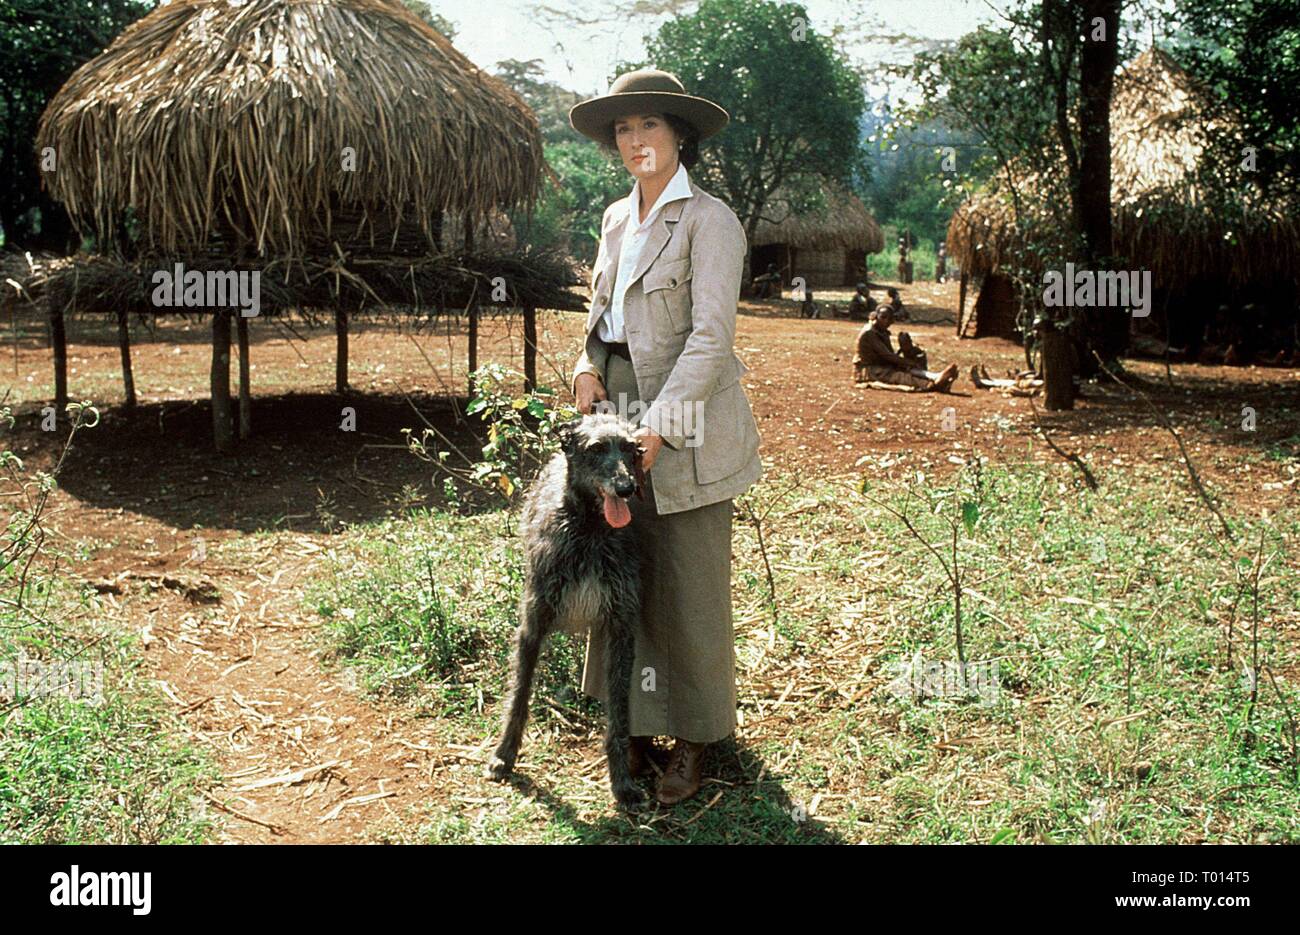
(618, 676)
(535, 617)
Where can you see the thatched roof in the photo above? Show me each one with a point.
(1163, 218)
(844, 222)
(230, 120)
(430, 284)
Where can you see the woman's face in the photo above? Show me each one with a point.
(647, 145)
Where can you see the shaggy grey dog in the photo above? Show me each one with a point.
(582, 569)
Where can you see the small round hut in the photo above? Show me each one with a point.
(343, 149)
(827, 246)
(1164, 220)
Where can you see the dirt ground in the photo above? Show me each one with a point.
(305, 758)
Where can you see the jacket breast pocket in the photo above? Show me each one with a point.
(667, 288)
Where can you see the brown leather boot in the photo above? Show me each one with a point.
(681, 778)
(638, 755)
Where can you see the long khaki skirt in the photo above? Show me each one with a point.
(684, 670)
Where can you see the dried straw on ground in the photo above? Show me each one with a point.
(1166, 218)
(234, 120)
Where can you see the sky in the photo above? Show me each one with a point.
(580, 57)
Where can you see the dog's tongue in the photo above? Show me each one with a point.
(616, 512)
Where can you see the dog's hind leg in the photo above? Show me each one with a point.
(526, 644)
(618, 677)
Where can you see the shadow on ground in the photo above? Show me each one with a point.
(748, 811)
(299, 470)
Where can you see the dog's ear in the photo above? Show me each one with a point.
(566, 432)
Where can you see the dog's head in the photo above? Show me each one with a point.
(604, 462)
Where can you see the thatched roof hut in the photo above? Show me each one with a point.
(268, 122)
(1166, 215)
(844, 222)
(335, 145)
(828, 245)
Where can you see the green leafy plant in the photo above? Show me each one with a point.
(520, 438)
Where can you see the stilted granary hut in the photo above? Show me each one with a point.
(827, 246)
(327, 145)
(1199, 255)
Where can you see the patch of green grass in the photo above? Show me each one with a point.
(112, 769)
(424, 607)
(1118, 715)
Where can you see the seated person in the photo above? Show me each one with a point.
(875, 360)
(809, 308)
(896, 303)
(862, 304)
(768, 283)
(909, 351)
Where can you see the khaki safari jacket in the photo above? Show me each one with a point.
(679, 314)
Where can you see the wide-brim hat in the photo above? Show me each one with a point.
(645, 91)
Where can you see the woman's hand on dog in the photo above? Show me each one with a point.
(590, 390)
(650, 441)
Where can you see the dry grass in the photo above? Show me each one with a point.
(232, 120)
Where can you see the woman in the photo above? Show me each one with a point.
(659, 341)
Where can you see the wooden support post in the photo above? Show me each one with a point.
(961, 305)
(245, 391)
(473, 314)
(530, 348)
(473, 348)
(222, 424)
(124, 342)
(341, 353)
(59, 343)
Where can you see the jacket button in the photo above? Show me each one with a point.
(602, 299)
(672, 282)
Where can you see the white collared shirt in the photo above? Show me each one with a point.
(611, 326)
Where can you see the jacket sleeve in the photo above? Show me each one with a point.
(595, 355)
(594, 359)
(718, 246)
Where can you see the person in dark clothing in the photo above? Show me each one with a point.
(896, 303)
(876, 360)
(862, 304)
(768, 283)
(809, 308)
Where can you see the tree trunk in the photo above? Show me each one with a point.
(124, 342)
(530, 348)
(1058, 370)
(59, 344)
(1102, 329)
(245, 391)
(222, 424)
(341, 351)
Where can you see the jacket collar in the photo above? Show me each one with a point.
(660, 229)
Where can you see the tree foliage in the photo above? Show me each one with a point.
(41, 43)
(795, 102)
